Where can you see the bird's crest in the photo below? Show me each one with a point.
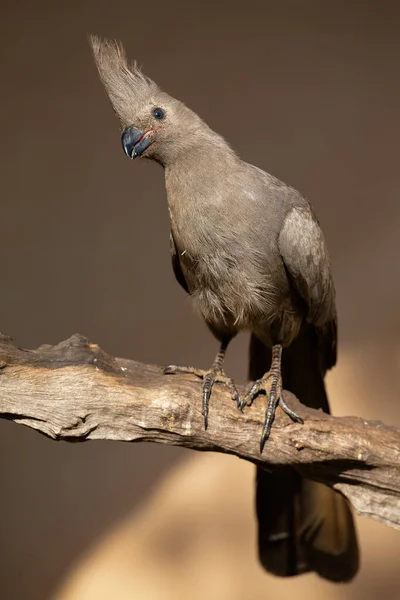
(125, 84)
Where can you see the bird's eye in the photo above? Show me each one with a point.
(158, 113)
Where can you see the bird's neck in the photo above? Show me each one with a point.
(198, 171)
(196, 182)
(205, 158)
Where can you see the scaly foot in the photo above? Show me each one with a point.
(215, 375)
(271, 385)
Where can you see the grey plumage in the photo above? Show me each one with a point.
(249, 250)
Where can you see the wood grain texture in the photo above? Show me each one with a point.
(74, 391)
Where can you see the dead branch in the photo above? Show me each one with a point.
(74, 391)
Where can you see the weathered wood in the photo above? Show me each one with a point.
(74, 391)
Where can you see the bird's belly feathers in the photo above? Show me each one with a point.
(236, 295)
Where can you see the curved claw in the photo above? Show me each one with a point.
(289, 411)
(273, 402)
(264, 438)
(251, 394)
(241, 405)
(207, 387)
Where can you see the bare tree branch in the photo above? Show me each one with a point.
(74, 391)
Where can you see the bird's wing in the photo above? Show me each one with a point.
(303, 250)
(176, 265)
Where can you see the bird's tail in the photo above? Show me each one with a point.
(303, 525)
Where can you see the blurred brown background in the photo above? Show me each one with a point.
(309, 91)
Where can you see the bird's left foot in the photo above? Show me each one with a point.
(215, 375)
(271, 385)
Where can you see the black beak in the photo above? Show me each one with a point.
(134, 141)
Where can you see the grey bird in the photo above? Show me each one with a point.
(251, 254)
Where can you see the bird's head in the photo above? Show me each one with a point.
(155, 125)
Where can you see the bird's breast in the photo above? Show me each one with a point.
(225, 237)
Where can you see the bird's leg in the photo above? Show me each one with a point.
(214, 375)
(271, 385)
